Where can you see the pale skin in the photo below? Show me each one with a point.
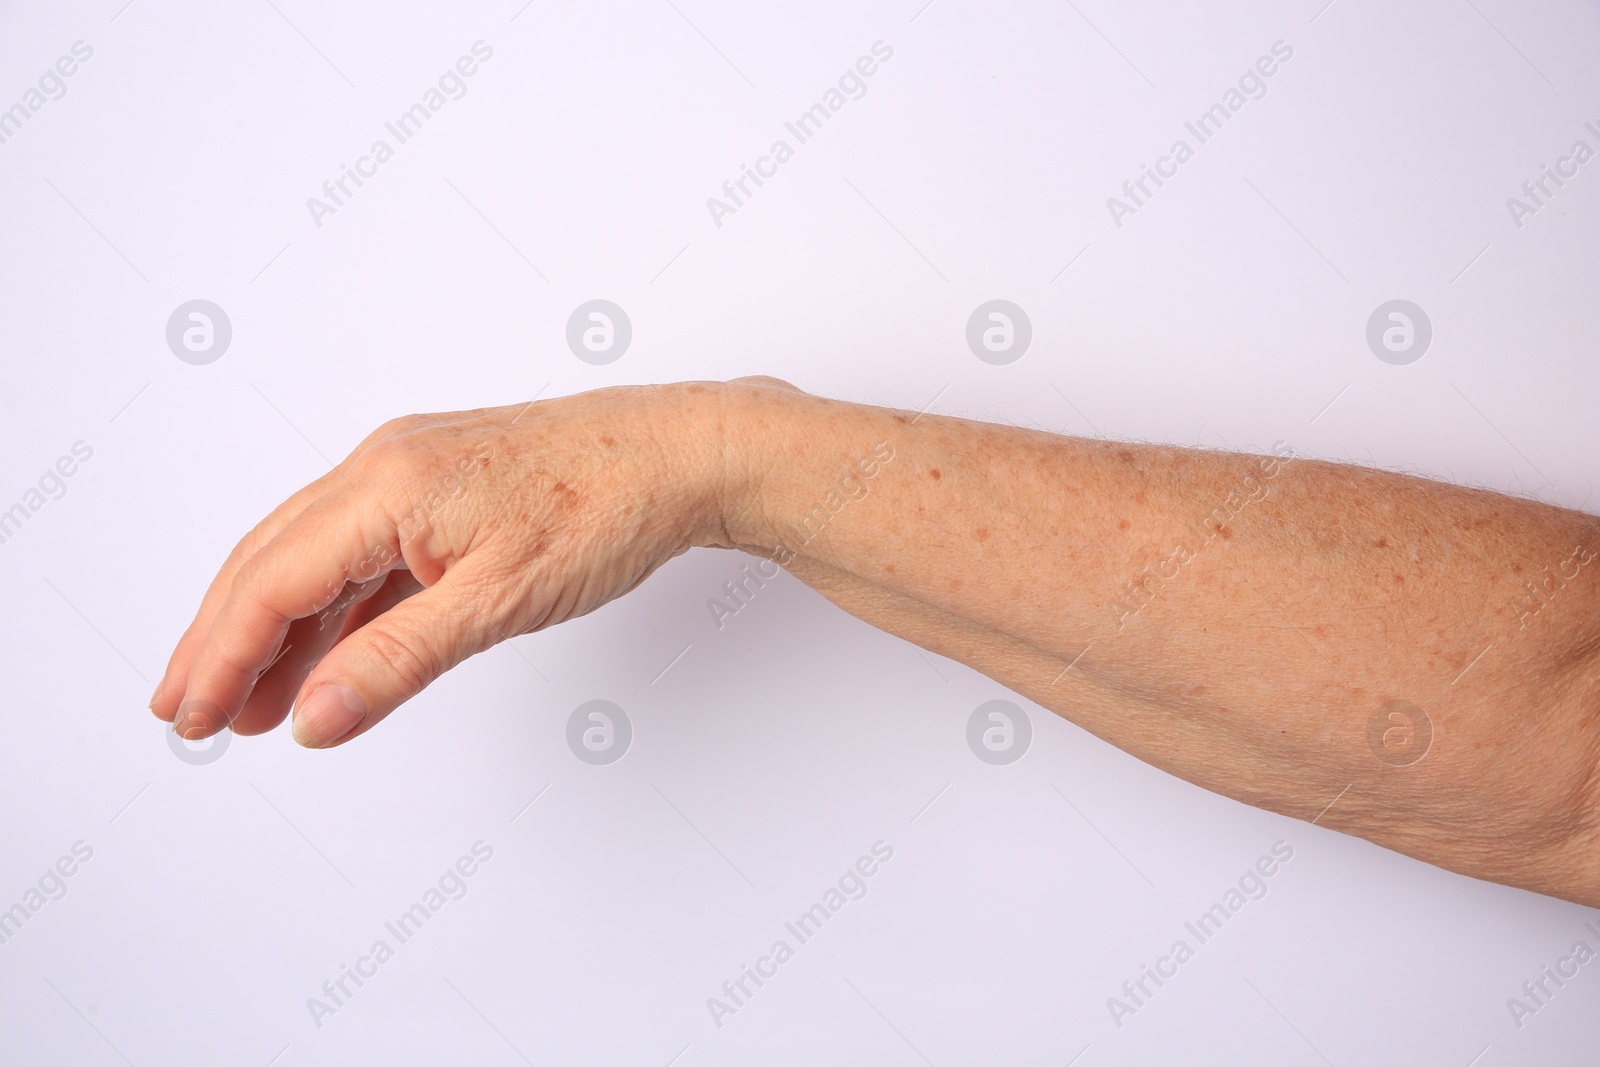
(1237, 620)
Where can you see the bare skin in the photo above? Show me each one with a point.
(1411, 662)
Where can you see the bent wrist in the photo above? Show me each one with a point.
(794, 462)
(705, 456)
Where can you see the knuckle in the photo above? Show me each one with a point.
(396, 427)
(249, 576)
(374, 454)
(388, 442)
(247, 548)
(390, 454)
(407, 423)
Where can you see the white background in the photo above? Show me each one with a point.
(1228, 312)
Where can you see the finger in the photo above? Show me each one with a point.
(390, 660)
(169, 691)
(309, 639)
(305, 643)
(339, 537)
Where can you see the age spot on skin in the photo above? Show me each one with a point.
(935, 475)
(565, 494)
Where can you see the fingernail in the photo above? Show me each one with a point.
(156, 695)
(330, 712)
(197, 718)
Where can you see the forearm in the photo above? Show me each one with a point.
(1236, 620)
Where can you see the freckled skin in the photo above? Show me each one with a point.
(1266, 655)
(1251, 656)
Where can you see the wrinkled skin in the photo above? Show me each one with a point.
(440, 536)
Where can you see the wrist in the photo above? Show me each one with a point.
(793, 463)
(682, 428)
(744, 426)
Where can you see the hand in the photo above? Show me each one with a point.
(440, 536)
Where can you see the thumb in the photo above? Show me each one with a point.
(387, 662)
